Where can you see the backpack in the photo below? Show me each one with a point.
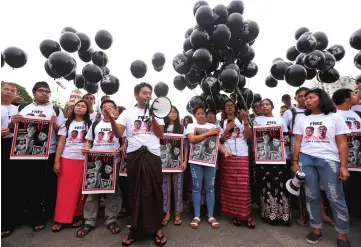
(56, 109)
(294, 114)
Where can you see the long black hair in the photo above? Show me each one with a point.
(86, 117)
(325, 102)
(178, 128)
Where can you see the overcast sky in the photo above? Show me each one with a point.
(141, 28)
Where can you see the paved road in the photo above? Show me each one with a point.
(229, 235)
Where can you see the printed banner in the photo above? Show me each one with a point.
(354, 151)
(171, 152)
(268, 145)
(123, 164)
(204, 152)
(99, 173)
(32, 138)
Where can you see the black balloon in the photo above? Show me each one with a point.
(257, 97)
(194, 102)
(198, 39)
(306, 43)
(71, 76)
(221, 36)
(251, 43)
(79, 81)
(202, 58)
(91, 88)
(70, 42)
(289, 63)
(330, 61)
(181, 63)
(241, 81)
(85, 42)
(322, 40)
(301, 31)
(105, 70)
(158, 69)
(210, 85)
(250, 70)
(158, 60)
(315, 60)
(355, 40)
(220, 14)
(205, 17)
(247, 95)
(292, 53)
(236, 6)
(161, 89)
(199, 4)
(235, 23)
(92, 73)
(229, 79)
(271, 82)
(231, 66)
(138, 68)
(328, 76)
(48, 47)
(68, 29)
(86, 56)
(357, 60)
(100, 58)
(109, 84)
(2, 60)
(300, 59)
(239, 48)
(278, 70)
(180, 82)
(188, 32)
(358, 79)
(248, 57)
(250, 31)
(194, 75)
(214, 66)
(295, 75)
(61, 63)
(277, 59)
(103, 39)
(338, 51)
(311, 73)
(189, 85)
(15, 57)
(214, 102)
(189, 53)
(49, 71)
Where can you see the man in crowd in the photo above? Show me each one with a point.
(283, 109)
(286, 100)
(90, 100)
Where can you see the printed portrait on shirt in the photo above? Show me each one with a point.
(142, 125)
(77, 134)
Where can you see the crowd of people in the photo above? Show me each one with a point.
(315, 139)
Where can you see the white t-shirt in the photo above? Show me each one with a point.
(356, 108)
(105, 139)
(46, 112)
(170, 128)
(7, 111)
(352, 120)
(237, 144)
(139, 130)
(93, 115)
(319, 135)
(75, 141)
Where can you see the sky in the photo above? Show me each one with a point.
(141, 28)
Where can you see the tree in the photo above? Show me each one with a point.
(21, 92)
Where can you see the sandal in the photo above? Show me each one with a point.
(38, 228)
(84, 231)
(250, 224)
(6, 234)
(128, 241)
(78, 222)
(158, 240)
(177, 220)
(114, 227)
(237, 222)
(57, 227)
(214, 223)
(165, 221)
(195, 222)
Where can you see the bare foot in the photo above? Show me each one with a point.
(327, 220)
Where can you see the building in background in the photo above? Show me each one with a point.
(330, 88)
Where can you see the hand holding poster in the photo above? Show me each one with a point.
(171, 152)
(354, 151)
(269, 145)
(32, 138)
(204, 152)
(99, 173)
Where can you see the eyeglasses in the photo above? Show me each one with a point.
(43, 91)
(229, 105)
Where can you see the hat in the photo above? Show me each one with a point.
(293, 185)
(40, 84)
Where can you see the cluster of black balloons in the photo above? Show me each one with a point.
(60, 64)
(138, 68)
(14, 57)
(310, 57)
(217, 55)
(355, 42)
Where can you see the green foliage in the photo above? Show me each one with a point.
(22, 92)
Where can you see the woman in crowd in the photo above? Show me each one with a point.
(68, 111)
(69, 166)
(172, 125)
(235, 174)
(274, 197)
(324, 160)
(187, 177)
(199, 172)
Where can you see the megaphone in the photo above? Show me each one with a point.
(293, 185)
(161, 107)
